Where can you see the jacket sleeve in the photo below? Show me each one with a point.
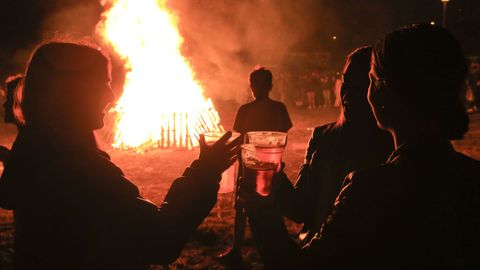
(326, 249)
(294, 201)
(156, 235)
(345, 229)
(297, 202)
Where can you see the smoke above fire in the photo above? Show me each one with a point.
(224, 40)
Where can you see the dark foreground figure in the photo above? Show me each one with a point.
(421, 208)
(353, 142)
(73, 208)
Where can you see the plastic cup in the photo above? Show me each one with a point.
(261, 163)
(214, 136)
(267, 138)
(227, 184)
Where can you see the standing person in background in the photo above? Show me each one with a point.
(310, 85)
(262, 114)
(338, 87)
(290, 89)
(473, 88)
(326, 91)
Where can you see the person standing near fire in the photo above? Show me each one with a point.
(262, 114)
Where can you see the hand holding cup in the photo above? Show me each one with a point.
(220, 155)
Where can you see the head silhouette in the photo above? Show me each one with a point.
(417, 77)
(11, 85)
(261, 82)
(66, 87)
(355, 107)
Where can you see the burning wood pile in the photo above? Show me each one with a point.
(162, 103)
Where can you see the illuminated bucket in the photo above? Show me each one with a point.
(228, 176)
(261, 163)
(267, 138)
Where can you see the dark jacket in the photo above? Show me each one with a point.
(420, 210)
(74, 209)
(334, 150)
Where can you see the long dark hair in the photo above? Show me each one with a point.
(425, 65)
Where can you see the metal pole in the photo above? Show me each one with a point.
(444, 19)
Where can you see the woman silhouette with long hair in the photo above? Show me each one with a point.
(352, 142)
(73, 208)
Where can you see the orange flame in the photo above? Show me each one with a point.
(162, 104)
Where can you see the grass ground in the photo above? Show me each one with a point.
(154, 171)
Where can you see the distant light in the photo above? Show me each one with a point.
(432, 23)
(334, 37)
(445, 1)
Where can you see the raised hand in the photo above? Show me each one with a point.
(221, 155)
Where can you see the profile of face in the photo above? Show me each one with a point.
(90, 94)
(87, 95)
(353, 91)
(380, 100)
(96, 96)
(67, 88)
(417, 76)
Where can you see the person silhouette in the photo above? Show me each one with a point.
(352, 142)
(10, 85)
(73, 208)
(262, 114)
(421, 208)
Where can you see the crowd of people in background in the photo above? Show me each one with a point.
(309, 89)
(472, 94)
(320, 88)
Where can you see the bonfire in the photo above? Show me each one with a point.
(162, 104)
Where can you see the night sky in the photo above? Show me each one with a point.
(311, 24)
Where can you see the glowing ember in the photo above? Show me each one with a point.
(162, 104)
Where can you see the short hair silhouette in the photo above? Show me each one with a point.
(425, 65)
(261, 81)
(58, 74)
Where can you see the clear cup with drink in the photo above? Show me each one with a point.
(227, 184)
(262, 156)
